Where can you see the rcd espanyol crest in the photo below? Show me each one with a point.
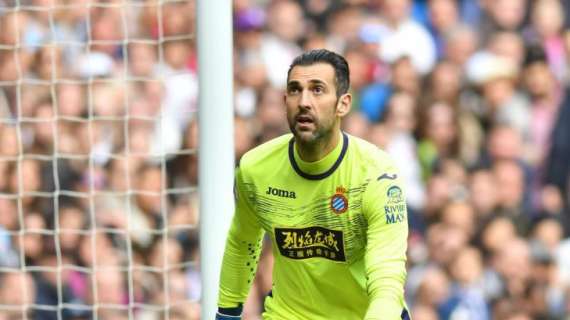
(339, 202)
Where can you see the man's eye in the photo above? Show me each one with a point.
(293, 90)
(318, 89)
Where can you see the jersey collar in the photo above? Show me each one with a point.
(319, 169)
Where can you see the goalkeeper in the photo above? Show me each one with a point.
(332, 205)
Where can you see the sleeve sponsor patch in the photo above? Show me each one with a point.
(311, 242)
(395, 208)
(394, 195)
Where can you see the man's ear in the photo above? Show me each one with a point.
(343, 105)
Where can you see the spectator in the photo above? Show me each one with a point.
(509, 45)
(467, 297)
(460, 215)
(483, 196)
(18, 290)
(510, 185)
(443, 16)
(558, 165)
(278, 46)
(547, 19)
(503, 15)
(545, 98)
(439, 135)
(502, 102)
(406, 37)
(142, 59)
(461, 41)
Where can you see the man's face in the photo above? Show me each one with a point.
(508, 14)
(396, 10)
(311, 102)
(539, 80)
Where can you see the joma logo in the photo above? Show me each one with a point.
(281, 193)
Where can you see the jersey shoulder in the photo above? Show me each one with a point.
(371, 156)
(265, 155)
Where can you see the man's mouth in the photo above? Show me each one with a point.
(304, 119)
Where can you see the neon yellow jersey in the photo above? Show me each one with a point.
(338, 228)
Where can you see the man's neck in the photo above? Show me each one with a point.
(315, 151)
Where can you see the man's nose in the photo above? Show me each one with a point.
(305, 101)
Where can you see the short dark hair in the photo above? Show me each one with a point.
(341, 71)
(534, 54)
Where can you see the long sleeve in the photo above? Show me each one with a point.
(385, 258)
(242, 250)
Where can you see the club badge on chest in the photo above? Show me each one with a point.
(339, 202)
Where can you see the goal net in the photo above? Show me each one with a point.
(98, 168)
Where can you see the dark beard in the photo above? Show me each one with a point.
(318, 134)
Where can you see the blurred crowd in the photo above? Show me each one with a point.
(471, 99)
(98, 202)
(98, 162)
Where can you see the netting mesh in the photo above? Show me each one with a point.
(98, 209)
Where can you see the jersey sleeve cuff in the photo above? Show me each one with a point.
(232, 312)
